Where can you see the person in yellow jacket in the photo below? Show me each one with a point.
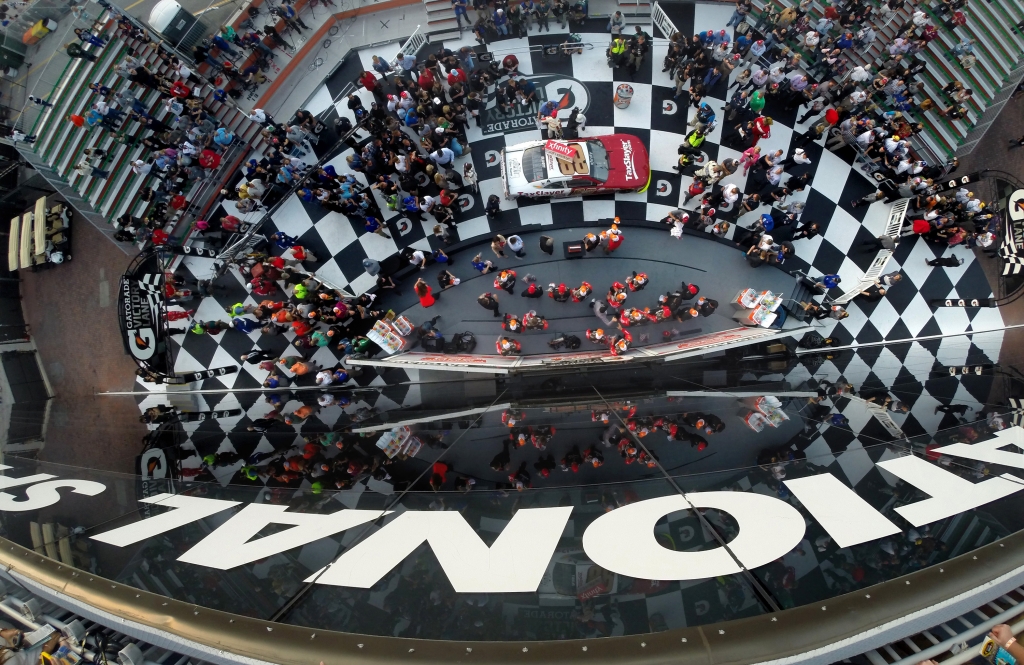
(617, 52)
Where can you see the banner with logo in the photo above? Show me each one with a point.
(157, 465)
(191, 377)
(140, 311)
(957, 182)
(565, 91)
(1012, 247)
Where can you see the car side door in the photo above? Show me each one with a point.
(555, 187)
(582, 185)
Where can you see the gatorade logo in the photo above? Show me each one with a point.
(403, 226)
(664, 188)
(669, 107)
(565, 91)
(492, 157)
(1015, 206)
(466, 202)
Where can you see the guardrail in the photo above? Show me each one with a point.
(662, 21)
(842, 627)
(892, 229)
(664, 352)
(412, 45)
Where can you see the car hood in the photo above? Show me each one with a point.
(628, 163)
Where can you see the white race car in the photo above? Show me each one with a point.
(575, 167)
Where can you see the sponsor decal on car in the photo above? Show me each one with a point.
(561, 150)
(627, 159)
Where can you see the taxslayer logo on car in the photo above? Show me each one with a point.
(567, 92)
(627, 160)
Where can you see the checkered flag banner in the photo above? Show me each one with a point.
(1016, 412)
(1012, 262)
(151, 282)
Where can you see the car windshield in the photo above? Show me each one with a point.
(598, 160)
(534, 165)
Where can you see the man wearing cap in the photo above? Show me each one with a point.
(611, 239)
(547, 109)
(757, 49)
(501, 22)
(799, 156)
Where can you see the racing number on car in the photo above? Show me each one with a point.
(578, 163)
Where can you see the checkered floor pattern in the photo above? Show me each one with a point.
(659, 120)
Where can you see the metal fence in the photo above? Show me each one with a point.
(977, 133)
(892, 229)
(662, 22)
(412, 45)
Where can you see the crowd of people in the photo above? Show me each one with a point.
(415, 129)
(407, 144)
(682, 304)
(181, 137)
(689, 427)
(868, 107)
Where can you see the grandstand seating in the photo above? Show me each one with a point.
(998, 49)
(61, 144)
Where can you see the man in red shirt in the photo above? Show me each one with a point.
(611, 239)
(510, 64)
(369, 81)
(456, 75)
(426, 79)
(180, 90)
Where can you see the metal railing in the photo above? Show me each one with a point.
(345, 92)
(958, 633)
(662, 22)
(91, 641)
(415, 42)
(897, 214)
(992, 111)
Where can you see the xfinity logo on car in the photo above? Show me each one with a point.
(565, 91)
(622, 541)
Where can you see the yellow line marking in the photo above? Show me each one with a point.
(35, 66)
(134, 4)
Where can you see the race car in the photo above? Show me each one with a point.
(575, 167)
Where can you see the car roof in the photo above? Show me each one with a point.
(561, 169)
